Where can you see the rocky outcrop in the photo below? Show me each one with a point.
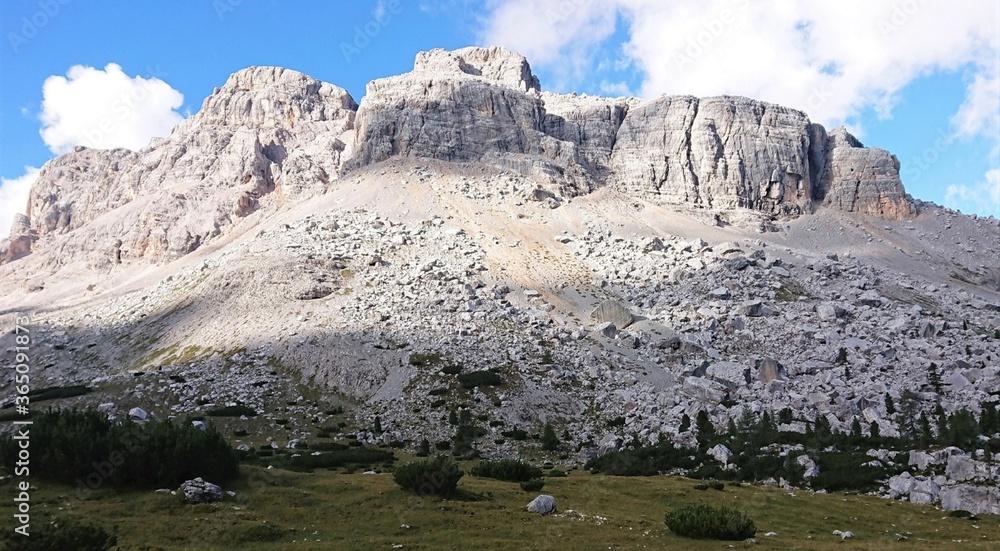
(466, 105)
(275, 133)
(18, 245)
(863, 180)
(724, 152)
(268, 129)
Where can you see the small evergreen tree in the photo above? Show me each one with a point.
(926, 436)
(874, 431)
(934, 378)
(378, 425)
(424, 449)
(706, 431)
(685, 423)
(550, 441)
(890, 406)
(941, 418)
(907, 416)
(989, 422)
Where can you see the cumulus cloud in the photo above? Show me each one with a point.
(14, 197)
(982, 198)
(833, 60)
(106, 108)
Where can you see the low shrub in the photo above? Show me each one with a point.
(349, 458)
(74, 444)
(57, 392)
(475, 379)
(432, 476)
(510, 470)
(710, 484)
(707, 522)
(63, 534)
(232, 411)
(533, 485)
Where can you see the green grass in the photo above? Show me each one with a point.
(281, 510)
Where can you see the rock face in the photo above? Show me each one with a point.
(270, 133)
(721, 152)
(268, 129)
(858, 179)
(467, 105)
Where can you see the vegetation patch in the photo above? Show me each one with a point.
(432, 476)
(232, 411)
(63, 533)
(510, 470)
(707, 522)
(71, 444)
(57, 392)
(337, 456)
(475, 379)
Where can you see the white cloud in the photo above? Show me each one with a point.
(105, 109)
(831, 59)
(982, 198)
(14, 197)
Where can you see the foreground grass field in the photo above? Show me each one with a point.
(279, 510)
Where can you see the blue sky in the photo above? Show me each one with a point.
(918, 82)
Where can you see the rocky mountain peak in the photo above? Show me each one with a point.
(271, 130)
(269, 97)
(495, 64)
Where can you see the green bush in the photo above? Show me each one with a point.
(710, 484)
(515, 434)
(63, 534)
(232, 411)
(57, 392)
(707, 522)
(475, 379)
(424, 360)
(510, 470)
(432, 476)
(348, 457)
(643, 461)
(533, 485)
(69, 446)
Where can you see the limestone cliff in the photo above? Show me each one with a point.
(276, 133)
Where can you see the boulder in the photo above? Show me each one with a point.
(137, 414)
(769, 370)
(960, 468)
(720, 453)
(543, 505)
(199, 491)
(924, 491)
(614, 312)
(900, 485)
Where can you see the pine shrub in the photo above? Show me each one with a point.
(63, 534)
(533, 485)
(432, 476)
(75, 445)
(707, 522)
(509, 470)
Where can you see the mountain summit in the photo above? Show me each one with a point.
(272, 130)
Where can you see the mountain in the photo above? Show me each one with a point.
(460, 238)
